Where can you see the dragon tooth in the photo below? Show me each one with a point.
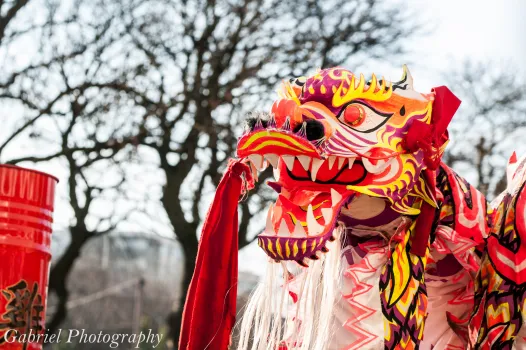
(341, 160)
(253, 170)
(331, 161)
(327, 214)
(305, 161)
(272, 159)
(315, 166)
(275, 172)
(313, 226)
(289, 161)
(283, 230)
(299, 231)
(335, 197)
(351, 162)
(257, 160)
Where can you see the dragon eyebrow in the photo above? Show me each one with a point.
(362, 90)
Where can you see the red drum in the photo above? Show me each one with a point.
(26, 215)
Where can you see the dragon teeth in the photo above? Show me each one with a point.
(335, 197)
(327, 214)
(305, 161)
(253, 170)
(289, 161)
(331, 161)
(341, 160)
(272, 159)
(276, 174)
(283, 230)
(316, 164)
(351, 162)
(312, 224)
(257, 160)
(299, 231)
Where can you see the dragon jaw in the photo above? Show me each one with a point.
(315, 193)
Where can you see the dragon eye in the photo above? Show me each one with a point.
(354, 115)
(362, 118)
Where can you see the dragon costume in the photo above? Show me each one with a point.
(373, 242)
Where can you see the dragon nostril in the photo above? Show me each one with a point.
(314, 130)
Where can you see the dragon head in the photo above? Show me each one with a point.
(338, 146)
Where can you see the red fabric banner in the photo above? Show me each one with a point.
(210, 308)
(430, 138)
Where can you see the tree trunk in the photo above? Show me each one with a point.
(176, 316)
(59, 276)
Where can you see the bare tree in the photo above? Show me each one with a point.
(78, 119)
(213, 61)
(8, 11)
(175, 78)
(490, 123)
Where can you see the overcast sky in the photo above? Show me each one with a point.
(470, 29)
(465, 29)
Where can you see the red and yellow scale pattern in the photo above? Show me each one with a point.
(403, 294)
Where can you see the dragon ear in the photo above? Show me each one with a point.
(406, 82)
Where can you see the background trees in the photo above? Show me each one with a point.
(210, 62)
(490, 123)
(114, 83)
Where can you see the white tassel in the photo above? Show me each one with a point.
(309, 321)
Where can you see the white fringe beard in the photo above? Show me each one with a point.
(271, 317)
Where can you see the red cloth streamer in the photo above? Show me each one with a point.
(430, 138)
(210, 309)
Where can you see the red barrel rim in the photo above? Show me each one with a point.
(28, 169)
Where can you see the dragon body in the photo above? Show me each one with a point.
(382, 245)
